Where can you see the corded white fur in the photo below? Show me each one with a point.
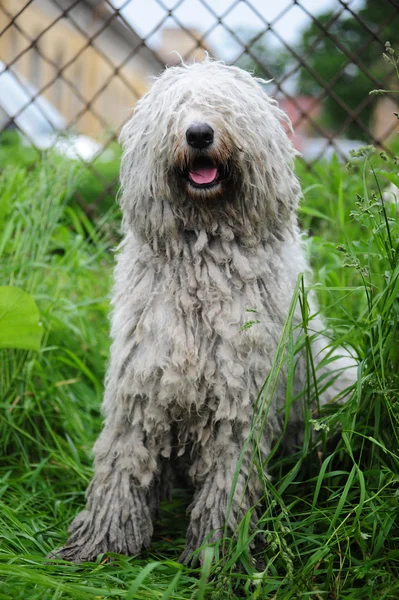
(183, 376)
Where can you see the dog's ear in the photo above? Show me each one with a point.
(270, 163)
(270, 151)
(142, 175)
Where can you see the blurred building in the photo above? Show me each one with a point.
(302, 112)
(85, 61)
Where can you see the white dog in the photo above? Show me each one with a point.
(210, 230)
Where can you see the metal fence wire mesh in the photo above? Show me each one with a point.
(79, 66)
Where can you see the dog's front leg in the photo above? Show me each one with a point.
(117, 517)
(218, 467)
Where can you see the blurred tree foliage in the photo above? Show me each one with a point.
(327, 57)
(328, 46)
(262, 58)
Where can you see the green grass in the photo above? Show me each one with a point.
(331, 511)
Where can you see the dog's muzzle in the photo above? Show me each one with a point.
(204, 169)
(202, 172)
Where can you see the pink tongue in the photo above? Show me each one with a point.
(203, 175)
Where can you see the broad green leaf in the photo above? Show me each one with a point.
(20, 326)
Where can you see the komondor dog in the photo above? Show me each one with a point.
(209, 199)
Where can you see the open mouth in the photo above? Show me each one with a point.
(203, 173)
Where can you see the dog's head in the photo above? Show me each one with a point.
(210, 143)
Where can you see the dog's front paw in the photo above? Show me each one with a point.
(201, 532)
(113, 522)
(79, 551)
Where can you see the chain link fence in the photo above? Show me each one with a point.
(79, 66)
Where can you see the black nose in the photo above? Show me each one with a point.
(199, 135)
